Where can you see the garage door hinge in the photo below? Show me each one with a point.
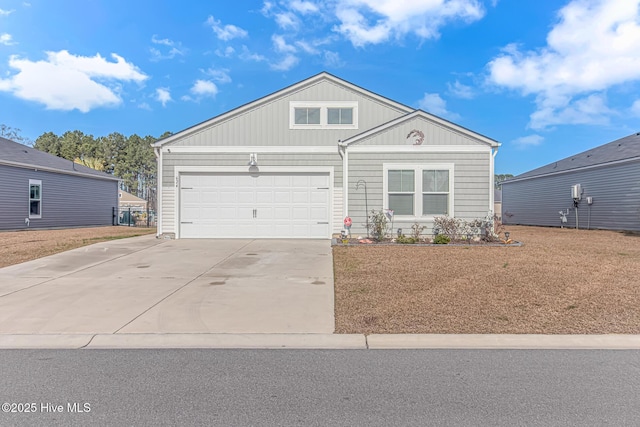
(320, 222)
(183, 222)
(322, 188)
(186, 188)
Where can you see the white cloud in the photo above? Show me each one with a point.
(175, 49)
(226, 32)
(376, 21)
(226, 53)
(287, 63)
(204, 88)
(635, 108)
(528, 141)
(221, 76)
(163, 95)
(5, 12)
(247, 55)
(65, 81)
(434, 104)
(144, 106)
(594, 46)
(281, 46)
(6, 39)
(303, 7)
(332, 59)
(287, 20)
(460, 90)
(307, 47)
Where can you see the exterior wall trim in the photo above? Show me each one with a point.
(252, 149)
(418, 148)
(178, 170)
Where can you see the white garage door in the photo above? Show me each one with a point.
(265, 205)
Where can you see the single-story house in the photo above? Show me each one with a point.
(129, 201)
(297, 162)
(40, 190)
(599, 188)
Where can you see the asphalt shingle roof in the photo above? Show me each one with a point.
(620, 149)
(13, 152)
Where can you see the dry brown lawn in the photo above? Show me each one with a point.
(561, 281)
(21, 246)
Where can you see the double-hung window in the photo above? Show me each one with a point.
(417, 191)
(307, 116)
(35, 198)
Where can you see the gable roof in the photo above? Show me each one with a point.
(279, 94)
(427, 116)
(22, 156)
(623, 149)
(129, 198)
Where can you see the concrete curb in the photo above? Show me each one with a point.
(495, 341)
(320, 341)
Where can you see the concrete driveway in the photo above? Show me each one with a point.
(146, 285)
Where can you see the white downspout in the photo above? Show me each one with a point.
(158, 152)
(492, 181)
(345, 180)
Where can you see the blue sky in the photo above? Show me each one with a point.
(547, 79)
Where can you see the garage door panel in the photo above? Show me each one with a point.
(258, 206)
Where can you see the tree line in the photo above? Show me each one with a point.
(130, 158)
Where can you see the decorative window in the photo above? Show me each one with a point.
(340, 116)
(35, 198)
(419, 190)
(323, 115)
(307, 116)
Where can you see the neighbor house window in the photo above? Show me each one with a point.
(323, 115)
(307, 116)
(419, 190)
(35, 198)
(340, 116)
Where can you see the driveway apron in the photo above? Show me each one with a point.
(146, 285)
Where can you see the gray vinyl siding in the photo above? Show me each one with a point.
(171, 160)
(268, 123)
(615, 190)
(434, 134)
(67, 200)
(471, 184)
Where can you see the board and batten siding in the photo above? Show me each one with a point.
(268, 124)
(471, 178)
(615, 190)
(207, 160)
(67, 200)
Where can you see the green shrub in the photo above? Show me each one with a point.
(406, 240)
(441, 239)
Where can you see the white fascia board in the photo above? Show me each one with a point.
(283, 92)
(419, 149)
(251, 149)
(419, 113)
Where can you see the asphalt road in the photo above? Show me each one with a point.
(320, 387)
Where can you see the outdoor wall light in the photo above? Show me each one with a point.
(253, 159)
(399, 232)
(507, 234)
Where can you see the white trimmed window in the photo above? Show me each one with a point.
(418, 191)
(323, 115)
(35, 198)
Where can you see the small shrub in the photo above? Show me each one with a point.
(416, 230)
(378, 224)
(406, 240)
(441, 239)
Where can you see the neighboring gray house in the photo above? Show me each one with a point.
(40, 190)
(295, 163)
(604, 182)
